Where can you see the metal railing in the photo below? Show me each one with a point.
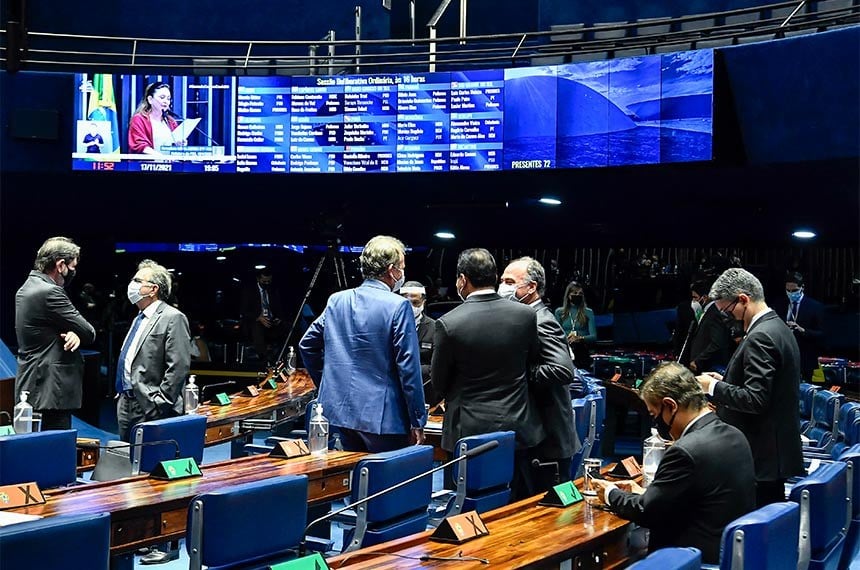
(44, 51)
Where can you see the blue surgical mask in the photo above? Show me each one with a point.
(795, 296)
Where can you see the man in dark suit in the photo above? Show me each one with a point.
(425, 325)
(155, 355)
(803, 315)
(262, 312)
(49, 331)
(705, 480)
(484, 349)
(552, 382)
(709, 344)
(759, 392)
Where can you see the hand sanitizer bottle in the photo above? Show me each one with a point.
(191, 396)
(23, 415)
(318, 432)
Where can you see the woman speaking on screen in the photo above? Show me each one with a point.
(151, 127)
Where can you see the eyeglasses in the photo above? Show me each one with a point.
(727, 312)
(142, 281)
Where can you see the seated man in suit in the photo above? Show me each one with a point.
(704, 481)
(415, 293)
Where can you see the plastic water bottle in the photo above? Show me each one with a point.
(191, 396)
(318, 432)
(291, 362)
(653, 449)
(23, 415)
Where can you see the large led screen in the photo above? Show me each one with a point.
(644, 110)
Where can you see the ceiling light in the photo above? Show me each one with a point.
(259, 266)
(444, 235)
(221, 258)
(804, 234)
(550, 201)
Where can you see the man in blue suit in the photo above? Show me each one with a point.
(363, 354)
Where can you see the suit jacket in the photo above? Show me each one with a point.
(426, 333)
(704, 481)
(363, 353)
(810, 314)
(551, 377)
(710, 345)
(484, 349)
(161, 363)
(759, 396)
(52, 376)
(252, 304)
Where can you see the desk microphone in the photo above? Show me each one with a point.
(7, 414)
(209, 392)
(483, 448)
(125, 444)
(537, 464)
(113, 466)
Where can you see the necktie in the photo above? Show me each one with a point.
(794, 310)
(120, 369)
(265, 303)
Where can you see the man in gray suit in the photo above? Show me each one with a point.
(551, 379)
(49, 331)
(156, 354)
(484, 349)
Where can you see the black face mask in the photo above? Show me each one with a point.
(67, 278)
(575, 299)
(662, 427)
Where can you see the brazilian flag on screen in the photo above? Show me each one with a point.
(102, 107)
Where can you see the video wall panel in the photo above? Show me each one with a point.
(643, 110)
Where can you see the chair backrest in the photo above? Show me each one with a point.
(852, 541)
(825, 412)
(807, 391)
(483, 482)
(63, 542)
(189, 432)
(671, 558)
(400, 512)
(765, 539)
(47, 457)
(822, 497)
(249, 522)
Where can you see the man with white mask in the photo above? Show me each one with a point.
(425, 325)
(156, 354)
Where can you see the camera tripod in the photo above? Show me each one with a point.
(333, 256)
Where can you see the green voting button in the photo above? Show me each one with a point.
(313, 561)
(562, 495)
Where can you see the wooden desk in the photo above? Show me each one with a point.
(522, 535)
(237, 421)
(148, 511)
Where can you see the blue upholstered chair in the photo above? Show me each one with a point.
(805, 395)
(589, 415)
(63, 542)
(399, 513)
(851, 456)
(252, 523)
(824, 515)
(765, 539)
(483, 482)
(188, 431)
(48, 457)
(825, 414)
(672, 558)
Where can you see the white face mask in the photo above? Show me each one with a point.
(696, 306)
(508, 291)
(416, 311)
(133, 292)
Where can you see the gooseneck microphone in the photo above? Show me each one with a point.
(483, 448)
(142, 444)
(537, 464)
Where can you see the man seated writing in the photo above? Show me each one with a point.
(704, 481)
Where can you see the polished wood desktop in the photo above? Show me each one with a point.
(237, 421)
(521, 535)
(146, 511)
